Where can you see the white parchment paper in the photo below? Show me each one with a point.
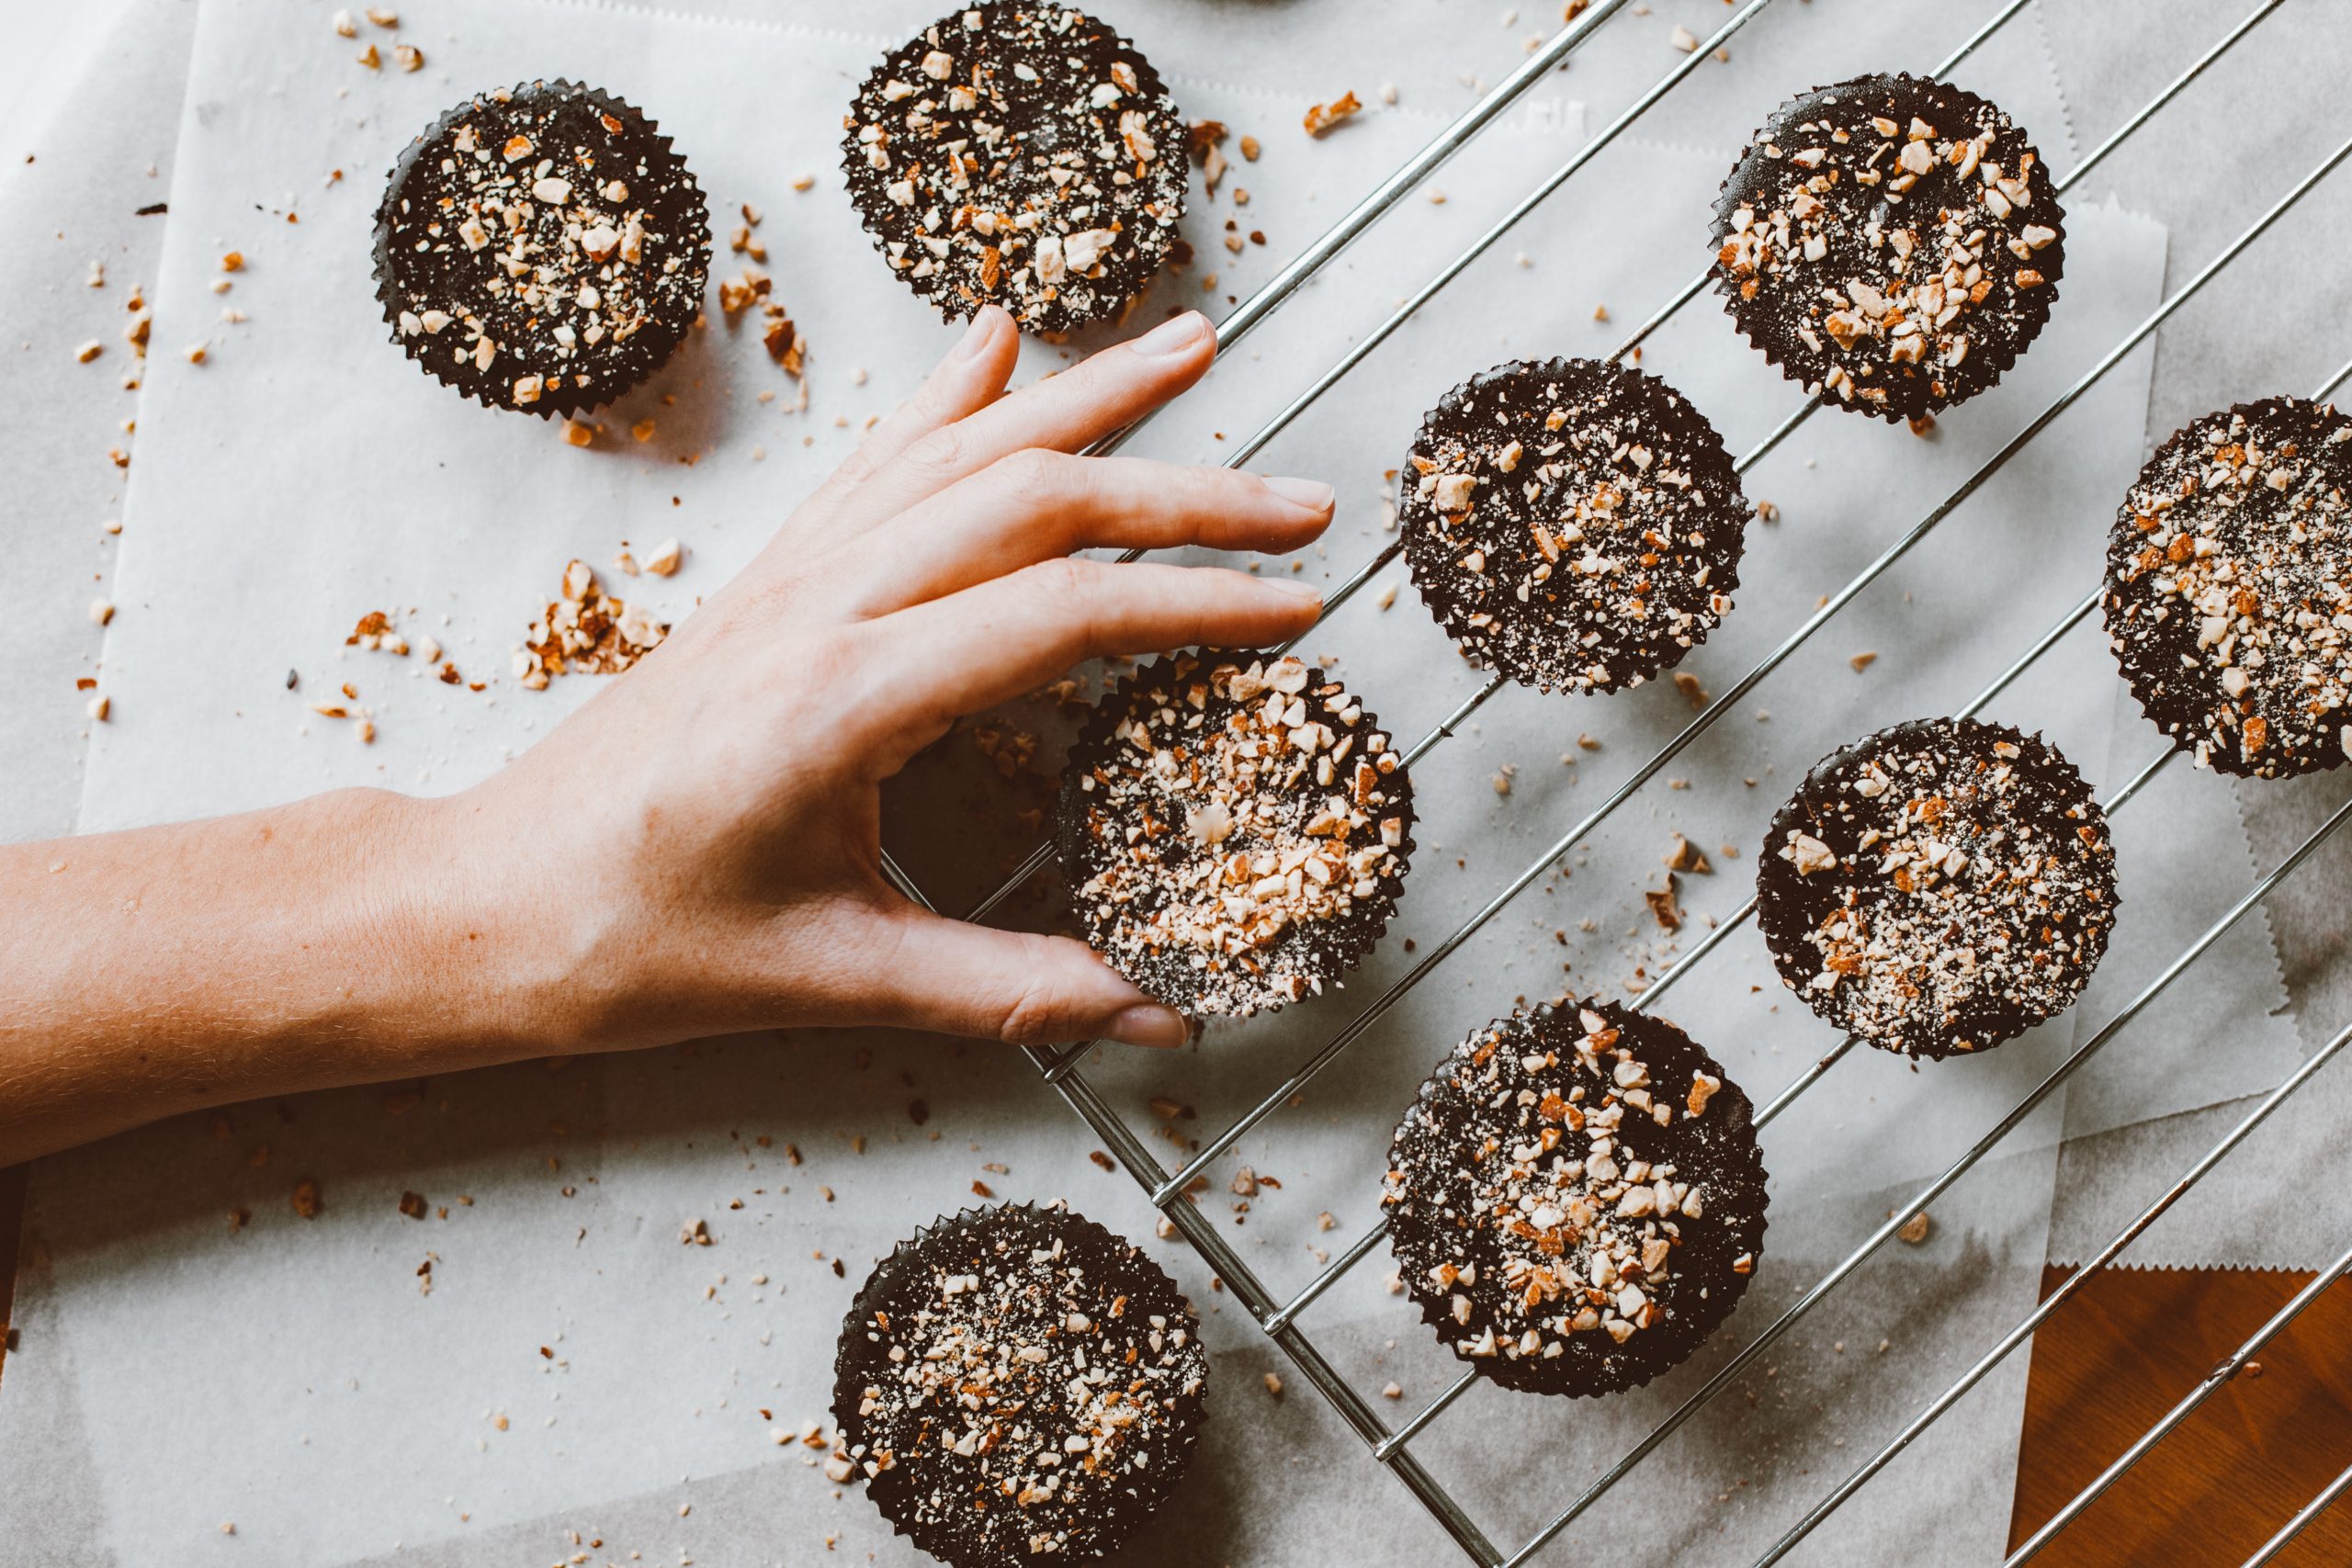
(176, 1375)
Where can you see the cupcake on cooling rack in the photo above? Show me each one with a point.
(1575, 525)
(1235, 829)
(1020, 154)
(1892, 243)
(1018, 1384)
(1575, 1199)
(2229, 588)
(541, 248)
(1938, 888)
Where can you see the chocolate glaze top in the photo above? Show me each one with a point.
(1576, 1198)
(541, 248)
(2229, 588)
(1891, 242)
(1938, 886)
(1572, 524)
(1020, 154)
(1235, 829)
(1018, 1383)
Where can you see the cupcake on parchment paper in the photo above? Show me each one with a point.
(1892, 243)
(1938, 888)
(1019, 153)
(1235, 829)
(1017, 1384)
(1574, 524)
(1577, 1199)
(541, 248)
(2229, 588)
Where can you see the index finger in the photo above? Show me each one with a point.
(1065, 412)
(990, 643)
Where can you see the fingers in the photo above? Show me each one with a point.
(972, 377)
(1065, 412)
(1039, 504)
(990, 643)
(955, 978)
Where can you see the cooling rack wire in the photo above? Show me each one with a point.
(1390, 1446)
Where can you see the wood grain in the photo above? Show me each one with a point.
(2128, 1347)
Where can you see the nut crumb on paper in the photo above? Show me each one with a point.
(1321, 118)
(585, 632)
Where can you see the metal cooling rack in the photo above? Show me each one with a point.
(1391, 1445)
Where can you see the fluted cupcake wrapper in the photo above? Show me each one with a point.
(859, 1362)
(624, 366)
(2166, 663)
(1325, 952)
(1987, 362)
(1718, 1148)
(1789, 905)
(1524, 640)
(1128, 272)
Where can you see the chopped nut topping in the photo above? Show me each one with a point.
(1547, 1196)
(1239, 830)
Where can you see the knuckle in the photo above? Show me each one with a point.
(941, 452)
(1035, 1017)
(1038, 473)
(1072, 584)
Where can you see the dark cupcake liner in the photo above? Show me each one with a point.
(1341, 945)
(1127, 276)
(629, 366)
(859, 1362)
(1789, 905)
(1777, 339)
(2179, 698)
(1721, 1141)
(1438, 579)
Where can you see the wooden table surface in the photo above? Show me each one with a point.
(2106, 1367)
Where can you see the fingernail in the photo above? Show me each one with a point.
(978, 335)
(1146, 1024)
(1170, 338)
(1296, 590)
(1313, 494)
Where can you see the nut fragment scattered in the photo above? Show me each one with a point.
(1321, 118)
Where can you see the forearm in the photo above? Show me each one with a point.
(341, 939)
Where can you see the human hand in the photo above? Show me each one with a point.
(697, 850)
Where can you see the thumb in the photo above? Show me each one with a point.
(954, 977)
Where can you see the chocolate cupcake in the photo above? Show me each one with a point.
(1938, 886)
(1020, 154)
(541, 248)
(1235, 829)
(1892, 243)
(1017, 1383)
(1575, 1199)
(1572, 524)
(2229, 588)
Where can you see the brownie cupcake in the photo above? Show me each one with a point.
(1017, 1383)
(1572, 524)
(1892, 243)
(1938, 886)
(1575, 1199)
(1235, 829)
(1020, 154)
(541, 248)
(2229, 588)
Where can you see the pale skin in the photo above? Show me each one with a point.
(723, 874)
